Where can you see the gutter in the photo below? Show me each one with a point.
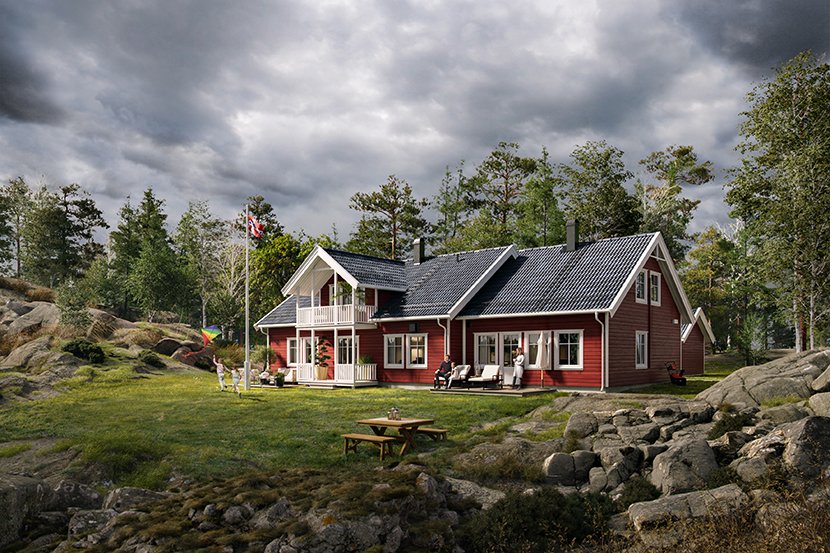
(446, 336)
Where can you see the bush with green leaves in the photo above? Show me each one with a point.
(636, 490)
(729, 423)
(151, 358)
(84, 349)
(537, 522)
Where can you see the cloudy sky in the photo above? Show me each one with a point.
(307, 102)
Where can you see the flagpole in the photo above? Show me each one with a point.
(247, 343)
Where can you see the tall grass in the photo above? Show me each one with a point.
(182, 419)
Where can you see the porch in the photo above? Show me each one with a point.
(352, 375)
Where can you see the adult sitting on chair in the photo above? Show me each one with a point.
(443, 373)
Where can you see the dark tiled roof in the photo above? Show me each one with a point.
(370, 271)
(285, 313)
(553, 280)
(434, 286)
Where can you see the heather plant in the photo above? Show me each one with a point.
(84, 349)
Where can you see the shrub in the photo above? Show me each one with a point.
(537, 522)
(83, 348)
(150, 358)
(729, 423)
(636, 490)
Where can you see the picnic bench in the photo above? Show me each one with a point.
(490, 374)
(384, 442)
(437, 434)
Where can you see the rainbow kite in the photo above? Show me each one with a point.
(210, 333)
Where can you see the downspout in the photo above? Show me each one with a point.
(446, 336)
(267, 343)
(603, 364)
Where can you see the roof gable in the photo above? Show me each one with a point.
(701, 321)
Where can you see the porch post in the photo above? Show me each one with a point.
(354, 356)
(334, 356)
(463, 342)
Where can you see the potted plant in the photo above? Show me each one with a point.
(279, 379)
(321, 358)
(364, 360)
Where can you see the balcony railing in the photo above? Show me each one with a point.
(330, 315)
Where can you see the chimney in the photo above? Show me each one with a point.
(572, 228)
(418, 251)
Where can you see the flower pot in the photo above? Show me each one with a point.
(321, 373)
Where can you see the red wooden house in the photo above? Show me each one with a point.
(589, 315)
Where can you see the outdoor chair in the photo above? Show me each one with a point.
(490, 374)
(459, 373)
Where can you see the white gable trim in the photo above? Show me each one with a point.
(703, 323)
(657, 248)
(509, 253)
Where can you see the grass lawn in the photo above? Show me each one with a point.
(181, 420)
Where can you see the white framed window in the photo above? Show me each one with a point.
(417, 345)
(532, 348)
(393, 356)
(345, 350)
(292, 352)
(654, 287)
(486, 349)
(641, 353)
(640, 287)
(509, 343)
(568, 348)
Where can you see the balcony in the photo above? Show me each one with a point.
(358, 374)
(334, 315)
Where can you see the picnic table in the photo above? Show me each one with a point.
(407, 428)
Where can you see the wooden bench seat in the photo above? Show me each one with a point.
(436, 434)
(384, 442)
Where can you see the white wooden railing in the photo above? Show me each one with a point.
(334, 315)
(346, 373)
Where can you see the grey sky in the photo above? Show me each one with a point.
(308, 102)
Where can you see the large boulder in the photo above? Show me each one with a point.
(726, 499)
(20, 498)
(123, 499)
(44, 315)
(807, 453)
(820, 404)
(793, 375)
(37, 357)
(684, 467)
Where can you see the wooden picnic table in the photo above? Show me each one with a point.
(407, 428)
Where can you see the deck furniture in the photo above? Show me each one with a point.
(676, 378)
(458, 374)
(384, 442)
(490, 374)
(437, 434)
(406, 428)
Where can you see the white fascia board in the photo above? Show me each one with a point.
(632, 278)
(703, 323)
(509, 252)
(405, 319)
(675, 286)
(301, 275)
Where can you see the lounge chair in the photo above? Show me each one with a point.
(676, 378)
(460, 373)
(490, 374)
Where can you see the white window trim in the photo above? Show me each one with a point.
(337, 348)
(478, 361)
(651, 287)
(637, 347)
(507, 361)
(645, 282)
(407, 351)
(386, 363)
(556, 364)
(288, 352)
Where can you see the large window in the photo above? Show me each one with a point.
(509, 343)
(486, 349)
(292, 352)
(641, 354)
(532, 349)
(641, 287)
(417, 350)
(394, 351)
(568, 347)
(655, 288)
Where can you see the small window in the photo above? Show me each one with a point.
(292, 352)
(641, 355)
(568, 347)
(417, 350)
(655, 288)
(641, 287)
(533, 348)
(394, 351)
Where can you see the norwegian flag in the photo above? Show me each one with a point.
(256, 228)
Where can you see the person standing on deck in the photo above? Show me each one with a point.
(518, 369)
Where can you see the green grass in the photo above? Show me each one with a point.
(182, 420)
(12, 450)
